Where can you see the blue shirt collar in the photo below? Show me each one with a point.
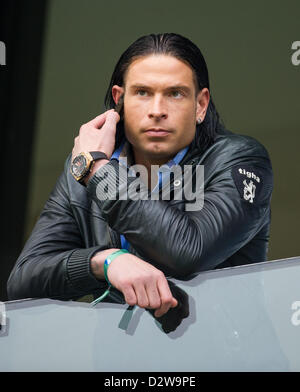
(123, 151)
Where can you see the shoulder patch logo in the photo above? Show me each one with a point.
(249, 191)
(248, 181)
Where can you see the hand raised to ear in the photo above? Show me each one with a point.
(98, 134)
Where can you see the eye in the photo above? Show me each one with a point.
(142, 93)
(176, 94)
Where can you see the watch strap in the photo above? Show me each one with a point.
(96, 155)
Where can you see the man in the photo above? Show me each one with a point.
(168, 119)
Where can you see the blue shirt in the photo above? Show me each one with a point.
(163, 172)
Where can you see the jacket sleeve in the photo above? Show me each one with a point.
(180, 242)
(54, 262)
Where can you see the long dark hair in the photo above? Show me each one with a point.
(183, 49)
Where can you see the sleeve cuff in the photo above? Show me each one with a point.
(79, 271)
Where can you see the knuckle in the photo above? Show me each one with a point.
(125, 284)
(142, 278)
(155, 304)
(82, 128)
(129, 297)
(166, 299)
(160, 274)
(143, 304)
(130, 300)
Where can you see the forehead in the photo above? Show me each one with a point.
(159, 69)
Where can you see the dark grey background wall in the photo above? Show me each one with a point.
(255, 86)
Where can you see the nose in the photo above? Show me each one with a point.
(157, 109)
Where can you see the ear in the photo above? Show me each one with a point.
(117, 91)
(202, 102)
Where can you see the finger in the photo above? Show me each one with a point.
(141, 295)
(111, 119)
(174, 302)
(153, 296)
(98, 121)
(129, 295)
(167, 299)
(165, 307)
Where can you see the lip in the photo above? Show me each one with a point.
(157, 132)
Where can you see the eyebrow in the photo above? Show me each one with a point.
(174, 87)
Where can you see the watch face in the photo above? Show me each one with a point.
(79, 165)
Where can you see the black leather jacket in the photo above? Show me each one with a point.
(231, 229)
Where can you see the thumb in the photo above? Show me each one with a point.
(174, 302)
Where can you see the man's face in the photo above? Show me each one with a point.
(159, 106)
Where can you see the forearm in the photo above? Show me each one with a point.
(53, 274)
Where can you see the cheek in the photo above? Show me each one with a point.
(134, 105)
(131, 124)
(186, 112)
(188, 121)
(133, 113)
(188, 127)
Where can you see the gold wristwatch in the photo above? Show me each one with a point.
(83, 163)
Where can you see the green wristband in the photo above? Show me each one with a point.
(109, 259)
